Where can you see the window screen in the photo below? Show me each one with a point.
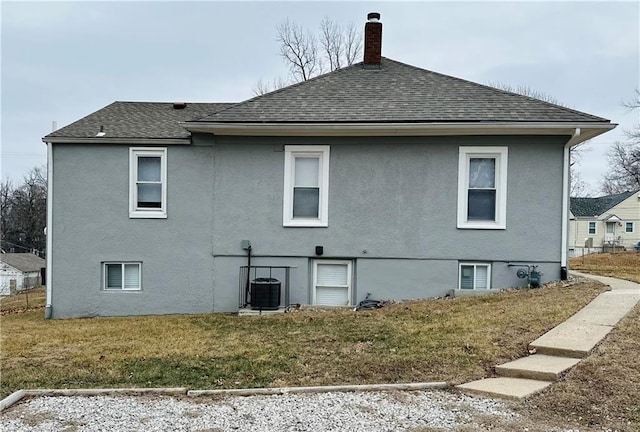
(482, 189)
(474, 276)
(306, 188)
(149, 182)
(123, 276)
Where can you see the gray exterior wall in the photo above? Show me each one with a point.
(91, 225)
(392, 209)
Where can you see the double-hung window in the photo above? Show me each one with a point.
(628, 227)
(306, 186)
(475, 276)
(593, 228)
(482, 187)
(122, 276)
(148, 182)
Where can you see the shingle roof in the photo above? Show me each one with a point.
(396, 92)
(138, 120)
(593, 207)
(25, 262)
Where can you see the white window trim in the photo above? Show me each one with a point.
(349, 287)
(595, 224)
(290, 153)
(633, 228)
(501, 156)
(475, 265)
(122, 263)
(134, 211)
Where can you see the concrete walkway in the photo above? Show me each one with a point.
(562, 347)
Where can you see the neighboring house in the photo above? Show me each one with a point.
(19, 271)
(378, 178)
(603, 222)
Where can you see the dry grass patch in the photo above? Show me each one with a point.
(28, 300)
(436, 340)
(623, 265)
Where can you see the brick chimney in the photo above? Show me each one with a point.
(373, 40)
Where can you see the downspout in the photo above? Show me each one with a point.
(47, 308)
(575, 139)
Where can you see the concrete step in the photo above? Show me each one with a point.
(537, 367)
(570, 339)
(506, 388)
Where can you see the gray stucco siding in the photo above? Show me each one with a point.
(92, 226)
(392, 211)
(393, 197)
(395, 279)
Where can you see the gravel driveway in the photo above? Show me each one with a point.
(363, 411)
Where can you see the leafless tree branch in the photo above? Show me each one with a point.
(299, 49)
(307, 55)
(264, 87)
(23, 212)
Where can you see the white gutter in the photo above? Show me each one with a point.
(566, 166)
(589, 129)
(47, 309)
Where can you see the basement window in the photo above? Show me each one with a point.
(332, 282)
(475, 276)
(122, 276)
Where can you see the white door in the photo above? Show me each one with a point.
(610, 232)
(332, 283)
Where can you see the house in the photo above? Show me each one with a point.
(378, 178)
(19, 271)
(605, 222)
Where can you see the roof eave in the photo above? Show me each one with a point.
(121, 141)
(588, 129)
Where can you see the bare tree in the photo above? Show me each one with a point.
(624, 168)
(331, 42)
(6, 199)
(624, 158)
(299, 49)
(526, 90)
(24, 213)
(341, 46)
(352, 40)
(264, 87)
(307, 55)
(634, 134)
(577, 186)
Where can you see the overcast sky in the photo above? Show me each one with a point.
(64, 60)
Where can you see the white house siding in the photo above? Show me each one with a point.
(7, 274)
(627, 211)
